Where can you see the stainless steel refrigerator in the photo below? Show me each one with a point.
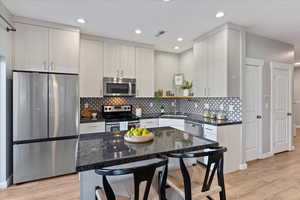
(45, 124)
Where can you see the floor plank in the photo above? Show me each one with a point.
(276, 178)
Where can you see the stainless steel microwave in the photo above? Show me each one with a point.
(119, 87)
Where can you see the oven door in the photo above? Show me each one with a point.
(113, 127)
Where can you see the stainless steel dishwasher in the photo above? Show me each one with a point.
(194, 128)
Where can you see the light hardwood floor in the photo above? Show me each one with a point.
(276, 178)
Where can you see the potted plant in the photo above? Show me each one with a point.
(186, 86)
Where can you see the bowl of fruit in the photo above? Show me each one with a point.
(138, 135)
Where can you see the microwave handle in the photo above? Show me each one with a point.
(130, 88)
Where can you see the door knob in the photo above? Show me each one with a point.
(258, 116)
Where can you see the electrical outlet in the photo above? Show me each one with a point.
(231, 108)
(196, 105)
(221, 107)
(151, 104)
(206, 106)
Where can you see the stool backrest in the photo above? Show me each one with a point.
(215, 163)
(140, 174)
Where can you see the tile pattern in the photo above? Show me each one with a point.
(183, 105)
(197, 105)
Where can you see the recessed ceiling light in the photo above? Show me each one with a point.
(220, 14)
(179, 39)
(166, 0)
(176, 47)
(81, 21)
(138, 31)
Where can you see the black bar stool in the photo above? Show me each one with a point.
(140, 174)
(198, 180)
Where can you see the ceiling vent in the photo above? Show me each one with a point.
(160, 33)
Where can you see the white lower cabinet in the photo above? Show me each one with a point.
(94, 127)
(229, 136)
(174, 123)
(149, 123)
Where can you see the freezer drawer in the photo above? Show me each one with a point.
(43, 159)
(30, 106)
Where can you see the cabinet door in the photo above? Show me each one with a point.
(200, 75)
(145, 72)
(111, 59)
(217, 68)
(91, 68)
(127, 61)
(64, 51)
(31, 48)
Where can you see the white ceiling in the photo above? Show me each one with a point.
(277, 19)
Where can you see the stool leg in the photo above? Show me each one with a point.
(221, 181)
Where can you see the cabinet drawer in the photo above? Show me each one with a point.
(149, 123)
(175, 123)
(210, 132)
(94, 127)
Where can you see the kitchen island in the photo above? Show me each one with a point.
(99, 150)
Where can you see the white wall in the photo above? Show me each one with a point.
(296, 99)
(166, 65)
(269, 50)
(5, 128)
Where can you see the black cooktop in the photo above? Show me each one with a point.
(119, 117)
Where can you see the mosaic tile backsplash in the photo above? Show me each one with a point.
(231, 105)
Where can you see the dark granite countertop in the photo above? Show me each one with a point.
(101, 119)
(190, 117)
(194, 118)
(107, 149)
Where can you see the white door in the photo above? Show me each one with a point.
(252, 102)
(91, 68)
(144, 72)
(31, 48)
(111, 59)
(64, 51)
(281, 124)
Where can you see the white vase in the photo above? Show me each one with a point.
(186, 92)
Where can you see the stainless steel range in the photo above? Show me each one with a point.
(119, 118)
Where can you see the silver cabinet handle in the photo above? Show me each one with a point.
(52, 66)
(45, 65)
(289, 114)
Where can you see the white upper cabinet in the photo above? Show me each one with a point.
(38, 48)
(91, 68)
(200, 74)
(218, 63)
(119, 60)
(144, 72)
(31, 48)
(64, 51)
(111, 59)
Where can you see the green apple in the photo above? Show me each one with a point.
(136, 133)
(145, 132)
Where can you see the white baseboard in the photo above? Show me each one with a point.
(6, 183)
(297, 126)
(243, 166)
(266, 155)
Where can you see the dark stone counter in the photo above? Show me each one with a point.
(99, 150)
(190, 117)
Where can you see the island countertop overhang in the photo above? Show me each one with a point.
(99, 150)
